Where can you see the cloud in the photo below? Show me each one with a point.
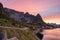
(47, 8)
(51, 10)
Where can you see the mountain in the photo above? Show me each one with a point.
(10, 18)
(13, 18)
(24, 18)
(21, 15)
(55, 25)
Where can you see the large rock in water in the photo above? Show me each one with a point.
(1, 35)
(1, 8)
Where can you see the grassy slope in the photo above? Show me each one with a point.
(20, 34)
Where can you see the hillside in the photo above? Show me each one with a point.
(26, 19)
(5, 20)
(21, 34)
(13, 18)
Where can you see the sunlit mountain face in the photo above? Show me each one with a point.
(49, 9)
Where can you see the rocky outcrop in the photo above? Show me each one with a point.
(1, 35)
(1, 8)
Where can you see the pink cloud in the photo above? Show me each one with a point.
(32, 6)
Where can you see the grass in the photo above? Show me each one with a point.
(20, 34)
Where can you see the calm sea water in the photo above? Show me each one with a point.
(52, 34)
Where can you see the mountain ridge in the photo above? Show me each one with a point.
(6, 20)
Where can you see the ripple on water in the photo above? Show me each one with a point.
(52, 34)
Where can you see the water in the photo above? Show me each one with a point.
(52, 34)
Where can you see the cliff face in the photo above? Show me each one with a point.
(1, 8)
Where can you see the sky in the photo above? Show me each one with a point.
(48, 9)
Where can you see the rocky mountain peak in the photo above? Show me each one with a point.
(1, 8)
(38, 15)
(1, 5)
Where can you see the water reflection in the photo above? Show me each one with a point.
(52, 34)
